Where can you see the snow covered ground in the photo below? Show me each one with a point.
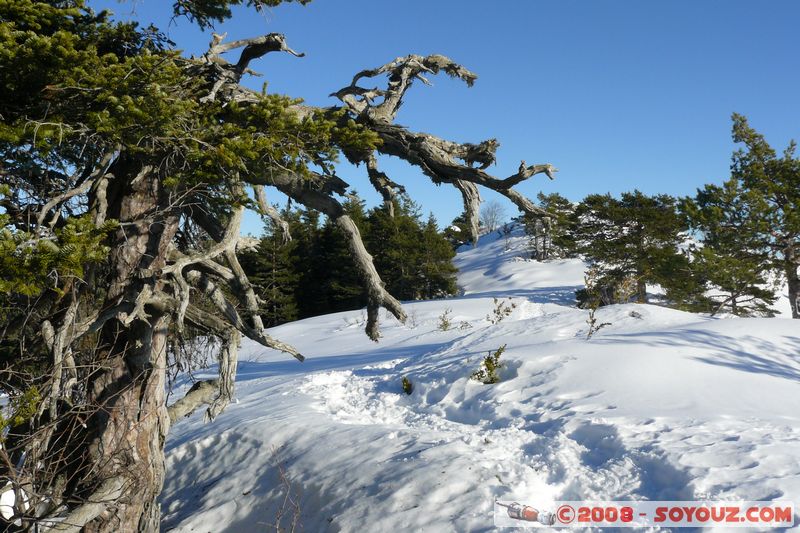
(659, 405)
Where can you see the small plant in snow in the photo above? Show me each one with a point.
(501, 310)
(594, 327)
(413, 318)
(593, 301)
(408, 387)
(464, 325)
(445, 320)
(287, 518)
(506, 232)
(487, 373)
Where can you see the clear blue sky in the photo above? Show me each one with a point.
(618, 94)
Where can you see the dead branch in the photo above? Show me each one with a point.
(272, 213)
(201, 393)
(107, 494)
(402, 72)
(319, 198)
(83, 188)
(202, 282)
(387, 188)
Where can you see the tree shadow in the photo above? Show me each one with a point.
(745, 353)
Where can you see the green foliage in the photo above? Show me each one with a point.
(552, 237)
(20, 409)
(458, 232)
(445, 320)
(488, 371)
(635, 236)
(206, 12)
(750, 227)
(314, 273)
(501, 310)
(30, 263)
(732, 265)
(408, 387)
(591, 298)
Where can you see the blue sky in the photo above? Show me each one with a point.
(617, 94)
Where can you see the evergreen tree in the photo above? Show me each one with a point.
(770, 185)
(458, 232)
(126, 171)
(551, 237)
(632, 241)
(335, 282)
(438, 274)
(272, 271)
(394, 242)
(731, 266)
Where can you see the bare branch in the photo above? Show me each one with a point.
(201, 393)
(402, 72)
(377, 295)
(83, 188)
(385, 186)
(273, 214)
(107, 494)
(228, 358)
(319, 198)
(232, 315)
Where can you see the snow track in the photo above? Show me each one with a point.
(661, 405)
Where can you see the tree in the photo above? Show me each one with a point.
(551, 236)
(115, 144)
(270, 268)
(632, 241)
(438, 274)
(492, 215)
(770, 186)
(731, 266)
(458, 232)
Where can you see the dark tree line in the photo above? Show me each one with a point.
(314, 274)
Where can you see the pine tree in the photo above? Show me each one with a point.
(272, 271)
(770, 187)
(632, 240)
(458, 232)
(731, 267)
(437, 272)
(551, 237)
(127, 168)
(395, 244)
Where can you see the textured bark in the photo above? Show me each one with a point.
(128, 428)
(793, 281)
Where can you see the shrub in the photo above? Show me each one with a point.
(487, 373)
(445, 322)
(501, 310)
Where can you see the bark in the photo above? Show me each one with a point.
(129, 425)
(793, 280)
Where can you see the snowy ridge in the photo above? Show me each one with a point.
(661, 404)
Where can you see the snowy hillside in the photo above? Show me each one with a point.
(660, 404)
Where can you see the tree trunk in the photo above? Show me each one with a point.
(129, 426)
(641, 289)
(793, 280)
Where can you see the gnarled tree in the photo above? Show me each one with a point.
(126, 168)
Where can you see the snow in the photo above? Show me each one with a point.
(659, 405)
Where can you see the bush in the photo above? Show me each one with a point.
(501, 310)
(487, 373)
(445, 322)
